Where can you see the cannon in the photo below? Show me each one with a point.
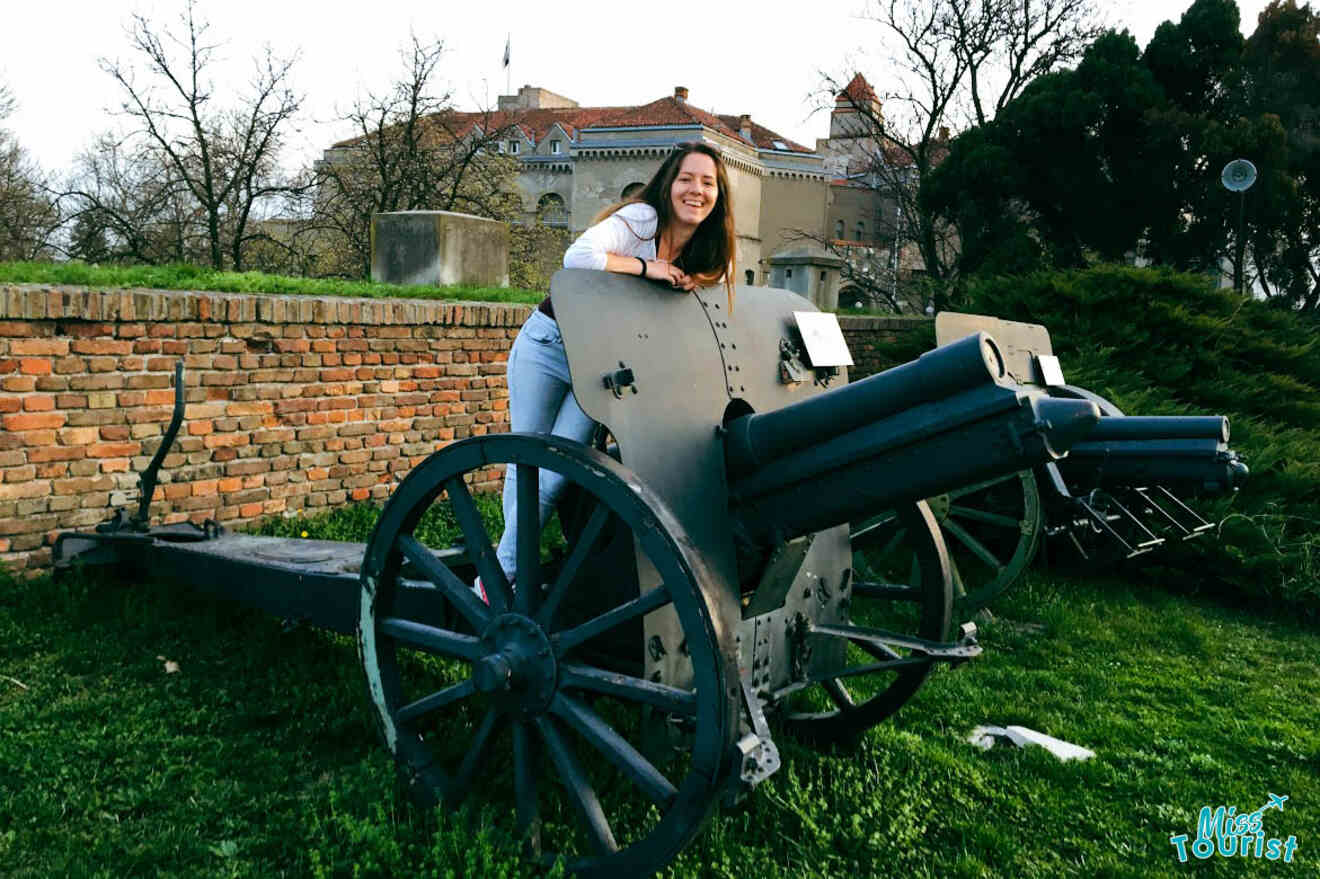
(1120, 492)
(701, 587)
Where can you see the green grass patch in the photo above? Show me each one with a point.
(190, 277)
(259, 756)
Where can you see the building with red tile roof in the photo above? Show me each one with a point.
(575, 161)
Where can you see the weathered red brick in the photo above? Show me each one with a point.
(40, 347)
(100, 346)
(50, 452)
(40, 421)
(113, 450)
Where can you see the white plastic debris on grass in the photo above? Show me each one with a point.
(986, 737)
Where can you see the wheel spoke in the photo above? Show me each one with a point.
(587, 539)
(640, 606)
(838, 694)
(529, 537)
(478, 545)
(899, 664)
(965, 490)
(879, 651)
(976, 547)
(592, 727)
(888, 591)
(459, 594)
(524, 782)
(870, 529)
(579, 789)
(462, 780)
(669, 699)
(983, 516)
(434, 702)
(893, 542)
(439, 641)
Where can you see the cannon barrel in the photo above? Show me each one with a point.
(1202, 465)
(1161, 427)
(960, 432)
(754, 441)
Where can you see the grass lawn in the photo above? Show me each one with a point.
(259, 758)
(189, 277)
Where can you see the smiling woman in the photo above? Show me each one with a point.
(678, 230)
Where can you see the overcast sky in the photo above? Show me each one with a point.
(735, 56)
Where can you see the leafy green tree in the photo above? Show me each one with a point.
(1281, 66)
(1122, 155)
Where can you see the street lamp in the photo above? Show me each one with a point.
(1237, 176)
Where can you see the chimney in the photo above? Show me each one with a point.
(745, 126)
(680, 93)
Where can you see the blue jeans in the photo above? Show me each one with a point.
(540, 401)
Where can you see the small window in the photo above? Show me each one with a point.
(513, 147)
(554, 147)
(750, 276)
(838, 228)
(861, 231)
(788, 273)
(822, 277)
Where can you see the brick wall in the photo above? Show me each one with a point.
(866, 334)
(293, 402)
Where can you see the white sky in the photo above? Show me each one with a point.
(735, 56)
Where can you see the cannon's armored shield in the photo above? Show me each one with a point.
(662, 370)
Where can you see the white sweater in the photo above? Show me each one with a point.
(629, 231)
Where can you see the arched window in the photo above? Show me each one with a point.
(861, 231)
(550, 209)
(632, 189)
(838, 229)
(750, 276)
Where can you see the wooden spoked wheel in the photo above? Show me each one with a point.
(527, 702)
(993, 531)
(901, 590)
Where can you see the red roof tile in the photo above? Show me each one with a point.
(665, 111)
(858, 92)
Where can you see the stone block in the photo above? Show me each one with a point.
(439, 248)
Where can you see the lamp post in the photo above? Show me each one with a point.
(1238, 176)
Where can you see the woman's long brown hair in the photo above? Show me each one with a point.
(710, 255)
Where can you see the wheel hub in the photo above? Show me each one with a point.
(519, 671)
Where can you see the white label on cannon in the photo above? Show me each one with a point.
(823, 338)
(1051, 374)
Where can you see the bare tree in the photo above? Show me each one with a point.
(225, 157)
(411, 151)
(29, 215)
(128, 205)
(950, 63)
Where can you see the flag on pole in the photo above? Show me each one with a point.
(507, 43)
